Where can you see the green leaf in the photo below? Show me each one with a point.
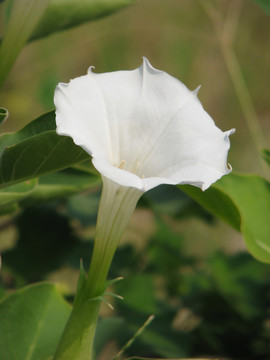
(244, 202)
(264, 4)
(32, 320)
(24, 17)
(36, 150)
(48, 187)
(3, 115)
(64, 183)
(15, 193)
(64, 14)
(266, 156)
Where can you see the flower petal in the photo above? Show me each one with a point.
(143, 128)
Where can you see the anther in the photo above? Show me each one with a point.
(122, 164)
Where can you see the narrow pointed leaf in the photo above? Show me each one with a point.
(64, 14)
(32, 320)
(244, 202)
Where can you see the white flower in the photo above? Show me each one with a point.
(142, 128)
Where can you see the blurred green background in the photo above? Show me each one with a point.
(192, 271)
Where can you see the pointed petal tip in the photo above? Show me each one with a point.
(227, 134)
(89, 71)
(150, 68)
(146, 61)
(229, 168)
(61, 85)
(195, 92)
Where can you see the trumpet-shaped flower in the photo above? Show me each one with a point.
(142, 128)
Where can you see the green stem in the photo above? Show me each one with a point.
(115, 210)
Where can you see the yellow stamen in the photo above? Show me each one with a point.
(122, 164)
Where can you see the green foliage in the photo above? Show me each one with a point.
(49, 187)
(32, 320)
(244, 202)
(36, 150)
(62, 184)
(266, 156)
(201, 307)
(106, 330)
(20, 25)
(43, 18)
(64, 14)
(45, 240)
(142, 300)
(3, 115)
(264, 4)
(10, 196)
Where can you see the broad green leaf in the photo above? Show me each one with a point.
(264, 4)
(266, 156)
(64, 14)
(244, 202)
(36, 150)
(32, 320)
(216, 201)
(3, 115)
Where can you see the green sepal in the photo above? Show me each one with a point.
(81, 284)
(113, 281)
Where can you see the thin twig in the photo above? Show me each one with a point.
(134, 337)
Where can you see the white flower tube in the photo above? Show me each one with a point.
(142, 128)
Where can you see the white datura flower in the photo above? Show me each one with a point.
(142, 128)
